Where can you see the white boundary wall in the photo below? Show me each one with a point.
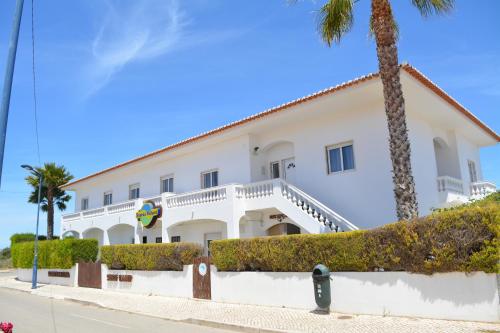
(164, 283)
(454, 296)
(25, 274)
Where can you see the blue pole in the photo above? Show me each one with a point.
(7, 84)
(35, 258)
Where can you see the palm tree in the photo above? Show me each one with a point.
(53, 177)
(336, 19)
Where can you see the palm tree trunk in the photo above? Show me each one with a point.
(50, 214)
(399, 144)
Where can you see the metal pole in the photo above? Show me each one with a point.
(7, 84)
(35, 258)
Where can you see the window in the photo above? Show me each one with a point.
(340, 157)
(472, 171)
(209, 179)
(144, 239)
(158, 239)
(134, 192)
(108, 198)
(167, 184)
(85, 204)
(275, 170)
(175, 239)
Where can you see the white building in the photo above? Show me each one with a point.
(319, 160)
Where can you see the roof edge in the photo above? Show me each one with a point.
(407, 67)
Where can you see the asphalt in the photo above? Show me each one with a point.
(31, 313)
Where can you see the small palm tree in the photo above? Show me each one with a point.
(336, 19)
(53, 177)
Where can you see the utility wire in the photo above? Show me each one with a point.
(34, 79)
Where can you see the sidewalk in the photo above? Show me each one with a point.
(246, 318)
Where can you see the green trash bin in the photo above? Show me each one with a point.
(321, 281)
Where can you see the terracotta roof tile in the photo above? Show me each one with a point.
(408, 68)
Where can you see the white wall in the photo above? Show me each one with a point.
(25, 274)
(454, 296)
(231, 158)
(164, 283)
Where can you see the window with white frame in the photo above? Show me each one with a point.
(85, 204)
(167, 184)
(340, 157)
(108, 198)
(275, 170)
(175, 239)
(472, 171)
(209, 179)
(134, 191)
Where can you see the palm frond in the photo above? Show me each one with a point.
(429, 7)
(335, 20)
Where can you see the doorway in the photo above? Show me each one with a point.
(289, 170)
(209, 237)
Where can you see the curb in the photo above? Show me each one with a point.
(233, 327)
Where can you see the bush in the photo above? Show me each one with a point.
(460, 239)
(150, 257)
(55, 253)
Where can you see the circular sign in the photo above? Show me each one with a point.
(202, 269)
(148, 214)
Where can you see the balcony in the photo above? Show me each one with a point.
(228, 203)
(452, 190)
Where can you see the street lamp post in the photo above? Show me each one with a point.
(35, 258)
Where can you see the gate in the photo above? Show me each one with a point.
(89, 274)
(201, 278)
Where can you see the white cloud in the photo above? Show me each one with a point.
(140, 31)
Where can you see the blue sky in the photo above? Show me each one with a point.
(117, 79)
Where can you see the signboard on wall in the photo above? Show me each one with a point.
(148, 214)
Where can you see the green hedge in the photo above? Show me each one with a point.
(55, 253)
(150, 257)
(462, 239)
(25, 237)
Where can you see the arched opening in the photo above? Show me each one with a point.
(279, 159)
(121, 234)
(70, 234)
(95, 233)
(283, 229)
(446, 159)
(201, 231)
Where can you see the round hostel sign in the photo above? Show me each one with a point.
(148, 214)
(202, 269)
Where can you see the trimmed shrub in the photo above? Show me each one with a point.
(150, 257)
(460, 239)
(25, 237)
(55, 253)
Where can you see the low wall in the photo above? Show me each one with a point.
(454, 296)
(25, 274)
(164, 283)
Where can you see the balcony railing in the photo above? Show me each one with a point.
(482, 189)
(450, 184)
(106, 210)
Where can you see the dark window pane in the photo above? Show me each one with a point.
(348, 157)
(170, 185)
(215, 178)
(275, 170)
(144, 239)
(175, 239)
(335, 162)
(158, 239)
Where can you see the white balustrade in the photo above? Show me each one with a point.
(155, 200)
(121, 207)
(254, 191)
(482, 189)
(197, 197)
(93, 212)
(450, 184)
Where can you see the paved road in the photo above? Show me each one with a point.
(30, 313)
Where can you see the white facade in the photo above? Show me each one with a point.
(295, 139)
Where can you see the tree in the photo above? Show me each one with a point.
(54, 177)
(336, 19)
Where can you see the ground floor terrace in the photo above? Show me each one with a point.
(266, 208)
